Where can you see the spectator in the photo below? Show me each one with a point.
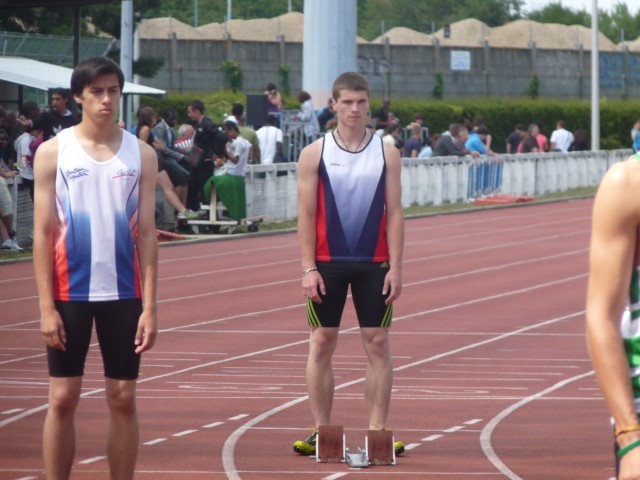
(543, 141)
(7, 233)
(449, 144)
(477, 141)
(325, 115)
(635, 136)
(391, 121)
(210, 142)
(427, 149)
(382, 115)
(580, 143)
(147, 118)
(25, 160)
(170, 159)
(56, 120)
(561, 138)
(529, 140)
(479, 122)
(514, 139)
(308, 117)
(238, 149)
(275, 104)
(391, 136)
(248, 133)
(185, 137)
(270, 137)
(413, 145)
(236, 112)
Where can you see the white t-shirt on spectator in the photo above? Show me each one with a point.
(562, 139)
(268, 136)
(239, 147)
(23, 154)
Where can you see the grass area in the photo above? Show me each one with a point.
(421, 210)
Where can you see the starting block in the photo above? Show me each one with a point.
(379, 447)
(330, 444)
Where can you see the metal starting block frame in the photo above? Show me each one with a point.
(330, 444)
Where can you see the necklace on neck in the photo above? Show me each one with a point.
(347, 146)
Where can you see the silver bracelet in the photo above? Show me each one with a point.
(312, 269)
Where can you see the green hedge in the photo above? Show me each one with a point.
(500, 114)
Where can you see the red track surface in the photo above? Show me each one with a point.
(492, 378)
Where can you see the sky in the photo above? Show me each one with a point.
(633, 5)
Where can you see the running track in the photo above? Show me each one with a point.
(492, 378)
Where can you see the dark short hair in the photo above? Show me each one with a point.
(63, 92)
(482, 130)
(197, 105)
(303, 96)
(29, 107)
(271, 120)
(169, 112)
(229, 125)
(237, 110)
(87, 70)
(349, 81)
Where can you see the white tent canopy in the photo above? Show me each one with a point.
(43, 76)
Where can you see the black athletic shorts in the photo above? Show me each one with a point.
(116, 326)
(366, 280)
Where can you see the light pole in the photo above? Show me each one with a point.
(595, 79)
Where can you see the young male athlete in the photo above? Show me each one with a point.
(613, 307)
(95, 258)
(351, 231)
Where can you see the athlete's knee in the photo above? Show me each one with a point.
(323, 343)
(377, 345)
(121, 399)
(63, 400)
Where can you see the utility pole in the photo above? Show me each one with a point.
(595, 78)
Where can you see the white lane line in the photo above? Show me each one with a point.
(473, 422)
(92, 460)
(212, 425)
(238, 417)
(431, 438)
(411, 446)
(228, 450)
(15, 410)
(453, 429)
(153, 442)
(487, 431)
(185, 432)
(335, 475)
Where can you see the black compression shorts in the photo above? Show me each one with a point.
(366, 280)
(116, 325)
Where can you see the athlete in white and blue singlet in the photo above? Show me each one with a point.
(351, 231)
(95, 258)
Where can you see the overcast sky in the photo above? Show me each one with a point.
(633, 5)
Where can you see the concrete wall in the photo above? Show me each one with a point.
(401, 70)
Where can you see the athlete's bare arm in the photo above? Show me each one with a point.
(307, 198)
(395, 223)
(44, 227)
(616, 219)
(147, 246)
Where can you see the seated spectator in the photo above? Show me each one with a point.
(248, 133)
(325, 115)
(270, 138)
(391, 136)
(184, 142)
(238, 148)
(172, 160)
(25, 160)
(7, 233)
